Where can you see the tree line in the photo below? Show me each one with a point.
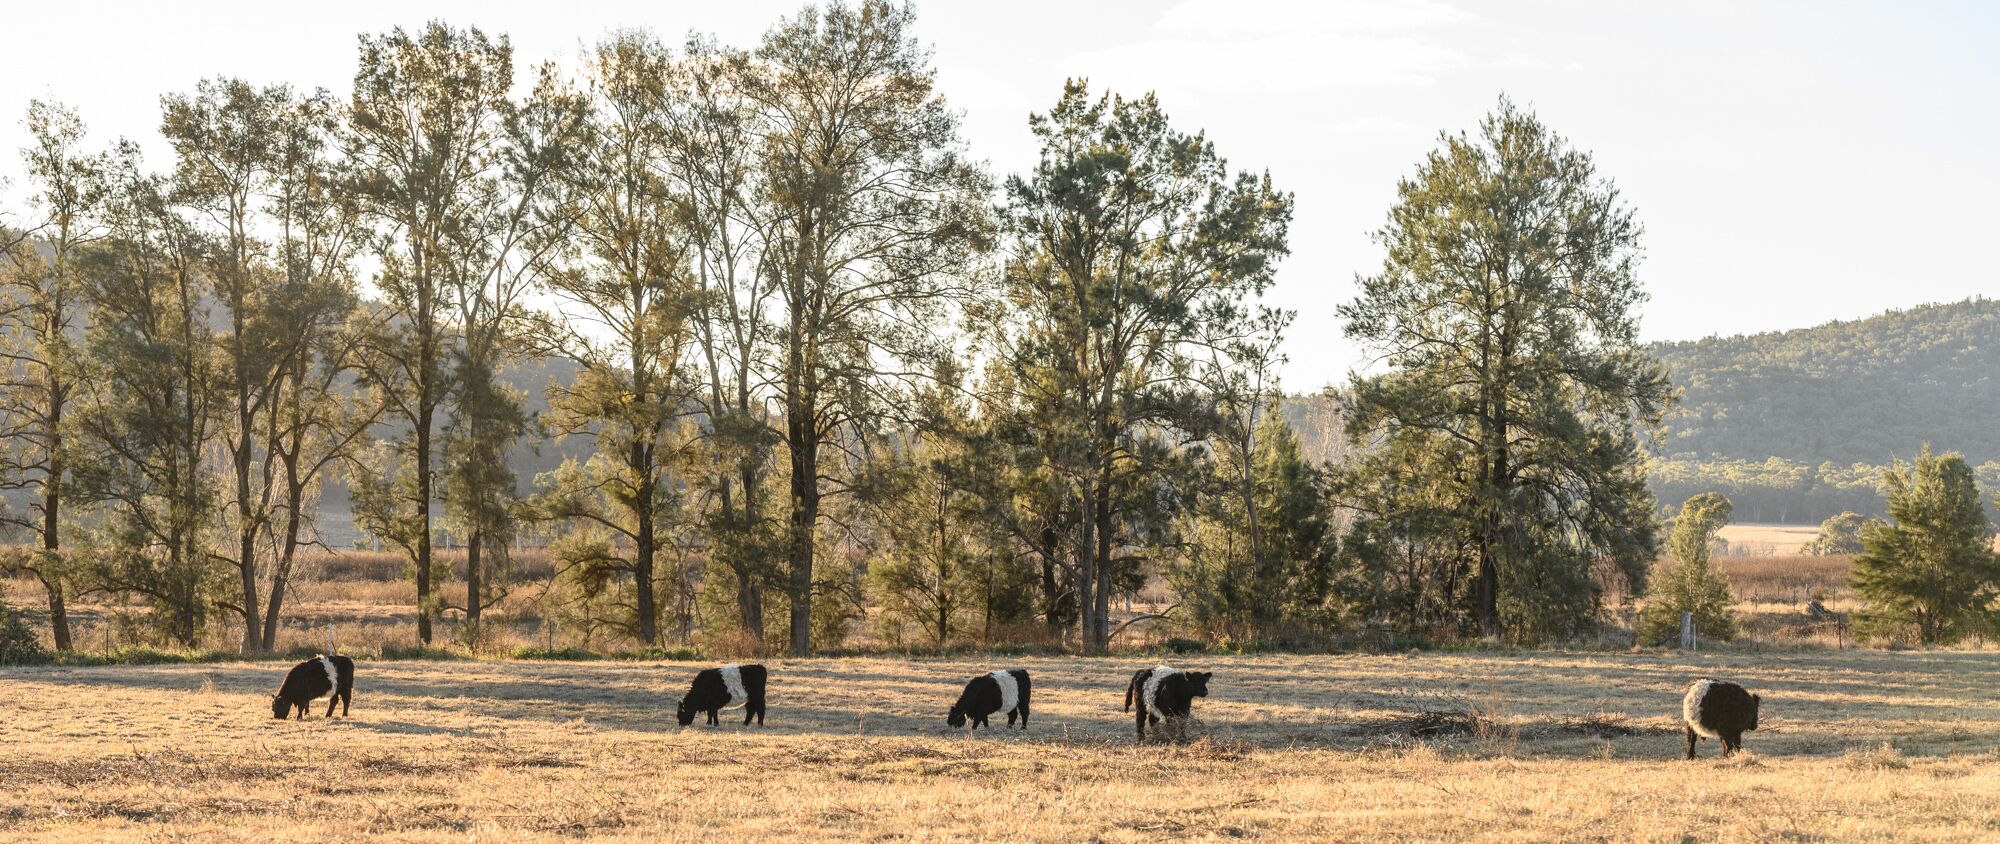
(826, 360)
(1787, 491)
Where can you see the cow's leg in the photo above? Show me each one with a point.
(332, 701)
(1142, 722)
(1012, 714)
(1731, 742)
(715, 716)
(749, 713)
(1024, 712)
(1691, 737)
(760, 712)
(346, 698)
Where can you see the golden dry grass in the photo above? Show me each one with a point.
(1560, 746)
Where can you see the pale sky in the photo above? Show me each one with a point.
(1792, 162)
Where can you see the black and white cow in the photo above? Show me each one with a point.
(1718, 709)
(999, 691)
(1165, 693)
(330, 677)
(728, 687)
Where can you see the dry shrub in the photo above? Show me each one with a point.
(1423, 724)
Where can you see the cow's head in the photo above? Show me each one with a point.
(956, 717)
(1197, 682)
(685, 714)
(279, 708)
(1754, 701)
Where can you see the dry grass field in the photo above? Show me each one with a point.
(1758, 539)
(1550, 746)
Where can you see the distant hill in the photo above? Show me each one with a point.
(1859, 391)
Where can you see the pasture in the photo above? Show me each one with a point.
(1527, 746)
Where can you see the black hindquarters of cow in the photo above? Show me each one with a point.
(331, 677)
(728, 687)
(1164, 693)
(998, 691)
(1720, 710)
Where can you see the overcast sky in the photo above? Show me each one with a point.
(1792, 162)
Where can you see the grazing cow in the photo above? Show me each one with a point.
(1000, 691)
(728, 687)
(1165, 693)
(330, 677)
(1718, 709)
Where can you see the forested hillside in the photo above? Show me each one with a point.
(1796, 426)
(1846, 392)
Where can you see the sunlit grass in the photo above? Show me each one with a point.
(1532, 746)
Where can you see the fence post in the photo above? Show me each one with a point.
(1688, 642)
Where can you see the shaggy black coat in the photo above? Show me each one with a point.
(307, 682)
(1173, 696)
(711, 693)
(1721, 710)
(983, 697)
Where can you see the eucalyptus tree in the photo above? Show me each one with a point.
(713, 132)
(316, 419)
(1505, 311)
(506, 246)
(152, 416)
(41, 296)
(228, 137)
(1133, 250)
(629, 299)
(426, 127)
(873, 214)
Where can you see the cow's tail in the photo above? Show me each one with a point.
(1130, 691)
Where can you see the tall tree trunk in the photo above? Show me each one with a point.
(281, 572)
(246, 540)
(423, 561)
(643, 553)
(52, 547)
(473, 577)
(1088, 573)
(805, 518)
(253, 626)
(1101, 633)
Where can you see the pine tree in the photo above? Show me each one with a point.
(1507, 311)
(1929, 569)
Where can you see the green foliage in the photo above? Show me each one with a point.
(1929, 571)
(1838, 535)
(1506, 311)
(1246, 574)
(1135, 246)
(1692, 585)
(18, 642)
(1844, 392)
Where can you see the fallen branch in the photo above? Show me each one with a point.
(1138, 618)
